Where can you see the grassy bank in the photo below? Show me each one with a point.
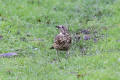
(28, 28)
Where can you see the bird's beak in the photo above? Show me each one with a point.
(57, 27)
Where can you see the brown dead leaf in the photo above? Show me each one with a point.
(80, 75)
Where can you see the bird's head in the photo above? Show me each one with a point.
(62, 29)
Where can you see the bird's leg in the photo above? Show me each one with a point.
(57, 52)
(67, 54)
(57, 55)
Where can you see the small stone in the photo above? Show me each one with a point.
(95, 40)
(8, 54)
(86, 37)
(85, 31)
(1, 36)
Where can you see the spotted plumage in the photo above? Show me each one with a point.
(63, 40)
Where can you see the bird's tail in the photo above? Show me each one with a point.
(52, 47)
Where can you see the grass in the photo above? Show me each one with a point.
(28, 28)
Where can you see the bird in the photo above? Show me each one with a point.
(63, 40)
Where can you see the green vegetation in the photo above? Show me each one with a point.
(28, 28)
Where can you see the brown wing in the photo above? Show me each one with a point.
(62, 42)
